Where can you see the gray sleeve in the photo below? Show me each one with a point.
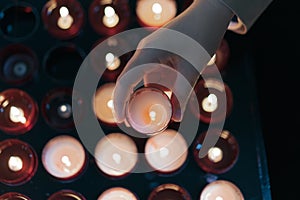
(247, 12)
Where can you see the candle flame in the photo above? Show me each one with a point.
(215, 154)
(110, 18)
(66, 161)
(15, 163)
(157, 8)
(117, 158)
(64, 11)
(65, 20)
(17, 115)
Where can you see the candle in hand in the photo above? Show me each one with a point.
(63, 157)
(221, 190)
(149, 111)
(155, 13)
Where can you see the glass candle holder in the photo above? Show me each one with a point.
(155, 13)
(109, 17)
(209, 99)
(56, 108)
(116, 155)
(14, 196)
(219, 158)
(64, 157)
(169, 191)
(62, 62)
(221, 189)
(18, 21)
(103, 104)
(63, 19)
(66, 195)
(18, 162)
(18, 64)
(119, 193)
(18, 111)
(149, 111)
(162, 152)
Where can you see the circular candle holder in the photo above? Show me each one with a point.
(18, 64)
(109, 17)
(103, 104)
(220, 158)
(63, 61)
(209, 99)
(56, 108)
(219, 59)
(66, 195)
(169, 191)
(18, 21)
(162, 152)
(149, 111)
(221, 189)
(18, 111)
(14, 196)
(63, 19)
(116, 155)
(64, 157)
(155, 13)
(18, 162)
(117, 193)
(112, 64)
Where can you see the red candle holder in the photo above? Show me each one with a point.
(14, 196)
(220, 158)
(18, 21)
(18, 162)
(18, 64)
(56, 108)
(210, 100)
(109, 17)
(63, 19)
(169, 191)
(66, 195)
(18, 111)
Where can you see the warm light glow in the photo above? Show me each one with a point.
(215, 154)
(210, 103)
(112, 62)
(65, 20)
(17, 115)
(110, 18)
(15, 163)
(156, 8)
(219, 198)
(66, 161)
(64, 111)
(117, 158)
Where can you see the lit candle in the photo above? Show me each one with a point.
(116, 154)
(220, 158)
(66, 195)
(110, 18)
(18, 162)
(65, 20)
(112, 62)
(169, 191)
(19, 111)
(155, 13)
(221, 190)
(63, 157)
(210, 103)
(103, 103)
(162, 152)
(14, 196)
(117, 193)
(149, 111)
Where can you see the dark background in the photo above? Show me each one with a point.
(275, 42)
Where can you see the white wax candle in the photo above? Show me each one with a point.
(116, 154)
(221, 190)
(110, 18)
(103, 103)
(117, 193)
(163, 153)
(65, 20)
(210, 103)
(155, 13)
(63, 156)
(149, 111)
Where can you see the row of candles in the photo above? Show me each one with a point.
(219, 189)
(64, 19)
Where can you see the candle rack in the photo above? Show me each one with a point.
(61, 56)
